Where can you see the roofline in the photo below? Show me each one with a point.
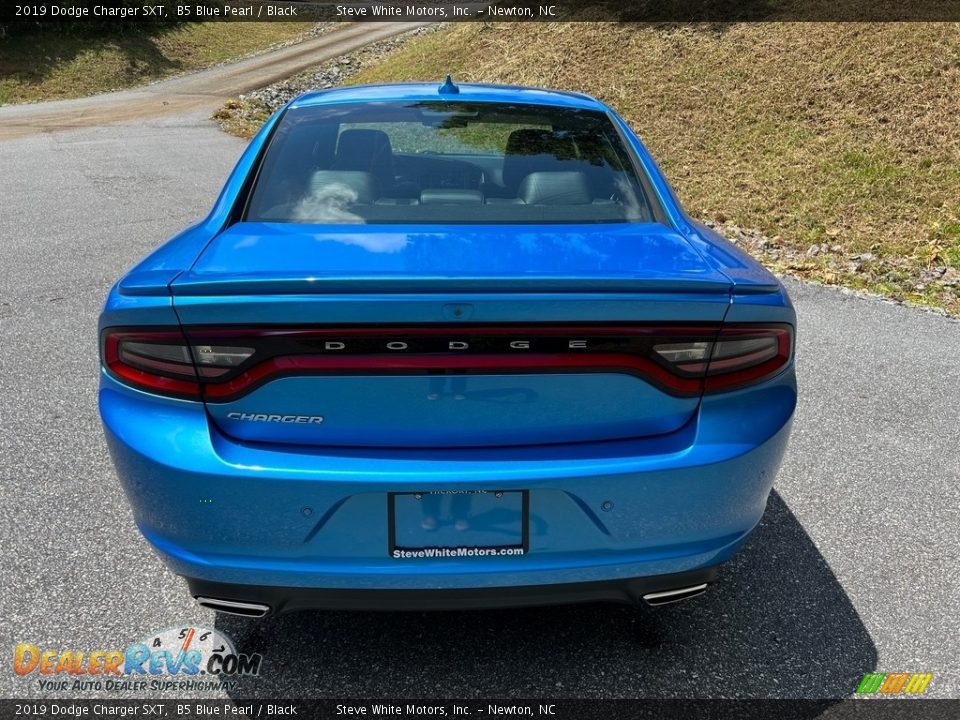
(469, 92)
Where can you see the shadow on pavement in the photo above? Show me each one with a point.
(777, 624)
(34, 51)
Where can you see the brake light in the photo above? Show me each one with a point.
(220, 365)
(161, 361)
(746, 355)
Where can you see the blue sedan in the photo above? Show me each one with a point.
(452, 346)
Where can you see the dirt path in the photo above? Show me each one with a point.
(206, 89)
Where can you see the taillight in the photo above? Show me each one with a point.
(223, 364)
(746, 355)
(737, 356)
(161, 361)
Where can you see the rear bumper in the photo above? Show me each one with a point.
(291, 599)
(609, 514)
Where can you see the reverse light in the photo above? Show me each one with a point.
(217, 360)
(689, 357)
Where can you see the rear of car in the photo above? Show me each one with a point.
(434, 350)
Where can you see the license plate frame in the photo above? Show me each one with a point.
(519, 499)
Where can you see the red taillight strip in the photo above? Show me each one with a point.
(721, 375)
(150, 363)
(732, 363)
(356, 364)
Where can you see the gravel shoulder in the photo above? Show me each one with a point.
(201, 91)
(242, 116)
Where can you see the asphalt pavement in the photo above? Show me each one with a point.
(853, 569)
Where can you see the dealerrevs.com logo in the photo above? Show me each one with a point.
(184, 658)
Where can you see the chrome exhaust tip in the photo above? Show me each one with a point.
(671, 596)
(234, 607)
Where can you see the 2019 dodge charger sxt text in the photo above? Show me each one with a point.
(446, 347)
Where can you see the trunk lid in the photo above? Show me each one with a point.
(294, 258)
(475, 336)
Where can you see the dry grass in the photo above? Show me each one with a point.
(49, 67)
(843, 136)
(242, 118)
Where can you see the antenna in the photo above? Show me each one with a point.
(449, 87)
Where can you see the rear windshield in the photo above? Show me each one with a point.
(446, 162)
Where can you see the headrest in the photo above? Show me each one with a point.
(363, 149)
(555, 188)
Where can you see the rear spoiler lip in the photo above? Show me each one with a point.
(177, 283)
(746, 274)
(192, 285)
(147, 282)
